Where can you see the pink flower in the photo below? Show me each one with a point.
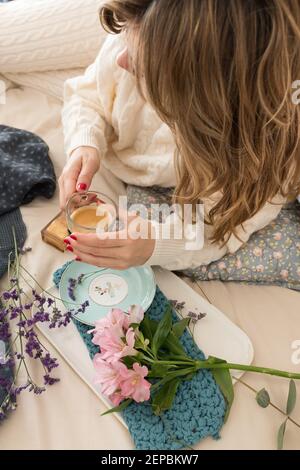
(108, 375)
(277, 254)
(134, 385)
(284, 273)
(257, 251)
(222, 265)
(260, 268)
(116, 398)
(114, 345)
(277, 236)
(115, 318)
(136, 314)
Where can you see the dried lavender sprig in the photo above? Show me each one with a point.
(13, 307)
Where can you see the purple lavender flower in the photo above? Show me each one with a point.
(49, 362)
(20, 389)
(50, 301)
(72, 284)
(6, 295)
(14, 305)
(195, 317)
(177, 305)
(50, 380)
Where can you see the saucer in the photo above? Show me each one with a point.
(106, 289)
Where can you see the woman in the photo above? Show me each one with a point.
(209, 79)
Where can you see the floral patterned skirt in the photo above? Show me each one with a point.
(270, 257)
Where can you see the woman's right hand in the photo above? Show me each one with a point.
(77, 175)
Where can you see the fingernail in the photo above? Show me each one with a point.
(81, 187)
(73, 237)
(67, 241)
(70, 248)
(77, 258)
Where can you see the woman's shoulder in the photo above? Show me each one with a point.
(112, 46)
(106, 61)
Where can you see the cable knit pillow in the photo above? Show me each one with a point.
(40, 35)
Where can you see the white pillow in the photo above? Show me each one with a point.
(39, 35)
(50, 83)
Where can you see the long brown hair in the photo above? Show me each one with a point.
(220, 73)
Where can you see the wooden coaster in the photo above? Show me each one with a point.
(56, 231)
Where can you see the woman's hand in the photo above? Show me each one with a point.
(78, 172)
(117, 250)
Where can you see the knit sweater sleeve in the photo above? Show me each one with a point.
(177, 249)
(83, 112)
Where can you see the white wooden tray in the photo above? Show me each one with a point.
(215, 334)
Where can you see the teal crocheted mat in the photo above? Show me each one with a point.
(199, 407)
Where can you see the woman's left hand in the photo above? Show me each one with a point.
(117, 250)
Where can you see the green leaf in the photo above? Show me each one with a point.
(118, 409)
(173, 375)
(164, 398)
(263, 398)
(129, 361)
(280, 435)
(179, 327)
(292, 397)
(224, 381)
(159, 370)
(173, 345)
(162, 331)
(148, 327)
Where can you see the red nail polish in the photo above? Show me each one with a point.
(70, 248)
(77, 258)
(67, 241)
(73, 237)
(81, 187)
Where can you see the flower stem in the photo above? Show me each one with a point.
(261, 370)
(44, 290)
(271, 403)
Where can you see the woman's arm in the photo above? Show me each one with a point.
(88, 100)
(184, 253)
(83, 113)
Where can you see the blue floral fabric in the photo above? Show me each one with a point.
(270, 257)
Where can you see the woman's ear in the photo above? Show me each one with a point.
(122, 59)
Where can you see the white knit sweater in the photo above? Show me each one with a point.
(104, 110)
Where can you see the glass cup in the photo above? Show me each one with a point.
(90, 211)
